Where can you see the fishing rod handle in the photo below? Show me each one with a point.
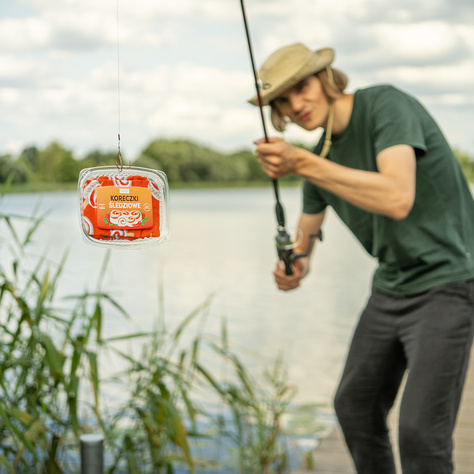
(286, 256)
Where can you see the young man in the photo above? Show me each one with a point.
(385, 168)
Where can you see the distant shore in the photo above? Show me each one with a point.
(70, 187)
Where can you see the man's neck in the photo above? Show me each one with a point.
(342, 113)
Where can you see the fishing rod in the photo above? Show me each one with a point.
(283, 240)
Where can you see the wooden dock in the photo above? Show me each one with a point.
(332, 456)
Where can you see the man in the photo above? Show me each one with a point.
(386, 169)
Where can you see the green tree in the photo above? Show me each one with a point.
(56, 164)
(247, 160)
(187, 161)
(13, 169)
(183, 160)
(467, 164)
(99, 158)
(29, 156)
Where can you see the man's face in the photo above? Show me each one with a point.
(305, 104)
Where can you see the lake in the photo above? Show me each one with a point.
(222, 243)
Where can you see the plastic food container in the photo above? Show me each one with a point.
(124, 208)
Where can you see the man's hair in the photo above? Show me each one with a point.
(333, 87)
(333, 84)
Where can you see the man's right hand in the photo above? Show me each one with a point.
(290, 282)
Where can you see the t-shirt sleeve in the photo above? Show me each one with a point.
(313, 202)
(397, 121)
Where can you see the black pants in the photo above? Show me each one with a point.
(429, 335)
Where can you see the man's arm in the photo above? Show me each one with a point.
(390, 191)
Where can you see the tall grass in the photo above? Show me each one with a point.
(52, 390)
(253, 420)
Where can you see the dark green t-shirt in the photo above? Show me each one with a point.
(434, 245)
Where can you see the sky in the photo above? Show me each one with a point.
(82, 71)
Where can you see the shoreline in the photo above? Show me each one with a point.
(39, 188)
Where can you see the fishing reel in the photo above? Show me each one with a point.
(285, 246)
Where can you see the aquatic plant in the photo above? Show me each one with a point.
(52, 350)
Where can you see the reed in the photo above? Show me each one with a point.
(52, 390)
(255, 408)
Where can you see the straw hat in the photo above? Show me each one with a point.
(287, 66)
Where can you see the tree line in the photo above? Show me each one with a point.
(183, 161)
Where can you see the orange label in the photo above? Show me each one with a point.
(124, 208)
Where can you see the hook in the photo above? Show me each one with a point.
(119, 163)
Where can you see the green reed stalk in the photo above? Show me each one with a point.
(52, 390)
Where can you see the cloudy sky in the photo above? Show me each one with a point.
(183, 70)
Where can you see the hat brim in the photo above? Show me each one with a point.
(316, 62)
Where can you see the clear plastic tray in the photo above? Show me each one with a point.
(124, 208)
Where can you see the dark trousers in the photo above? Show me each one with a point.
(430, 335)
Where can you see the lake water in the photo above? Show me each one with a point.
(222, 243)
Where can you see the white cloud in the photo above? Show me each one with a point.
(419, 43)
(455, 99)
(185, 69)
(211, 83)
(23, 34)
(441, 78)
(16, 71)
(9, 96)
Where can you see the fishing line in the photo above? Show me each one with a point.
(119, 154)
(123, 208)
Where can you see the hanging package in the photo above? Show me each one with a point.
(124, 207)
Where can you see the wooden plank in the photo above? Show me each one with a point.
(332, 455)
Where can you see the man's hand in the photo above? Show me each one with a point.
(290, 282)
(276, 157)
